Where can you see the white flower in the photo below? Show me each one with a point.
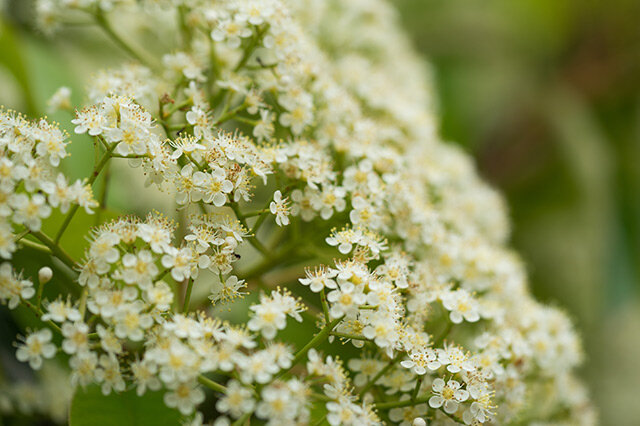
(130, 322)
(61, 311)
(186, 189)
(51, 143)
(449, 395)
(89, 120)
(344, 412)
(108, 340)
(455, 359)
(109, 375)
(36, 346)
(181, 261)
(461, 306)
(319, 279)
(331, 198)
(103, 248)
(160, 295)
(258, 367)
(345, 300)
(229, 290)
(231, 30)
(201, 122)
(382, 329)
(29, 211)
(280, 208)
(139, 268)
(144, 375)
(76, 337)
(268, 317)
(421, 360)
(344, 239)
(13, 287)
(7, 242)
(407, 416)
(264, 129)
(84, 367)
(214, 186)
(237, 400)
(184, 396)
(184, 64)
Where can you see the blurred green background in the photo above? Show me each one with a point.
(544, 94)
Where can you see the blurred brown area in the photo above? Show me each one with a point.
(546, 95)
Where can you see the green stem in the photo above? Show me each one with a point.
(319, 338)
(255, 213)
(246, 120)
(176, 107)
(35, 246)
(184, 27)
(349, 336)
(103, 195)
(241, 420)
(56, 250)
(21, 235)
(83, 302)
(39, 296)
(230, 114)
(90, 181)
(205, 381)
(38, 313)
(252, 47)
(416, 389)
(187, 297)
(380, 373)
(325, 305)
(102, 21)
(252, 237)
(258, 223)
(403, 403)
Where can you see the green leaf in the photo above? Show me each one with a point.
(91, 408)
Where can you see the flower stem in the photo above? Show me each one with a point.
(56, 250)
(102, 21)
(380, 373)
(241, 420)
(90, 181)
(402, 403)
(416, 390)
(205, 381)
(319, 338)
(187, 296)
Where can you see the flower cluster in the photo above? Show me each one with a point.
(297, 143)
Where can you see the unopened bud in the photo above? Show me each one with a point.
(45, 274)
(419, 421)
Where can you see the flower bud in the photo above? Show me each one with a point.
(419, 421)
(44, 275)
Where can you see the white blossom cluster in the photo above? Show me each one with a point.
(297, 141)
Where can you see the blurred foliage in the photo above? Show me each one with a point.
(545, 94)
